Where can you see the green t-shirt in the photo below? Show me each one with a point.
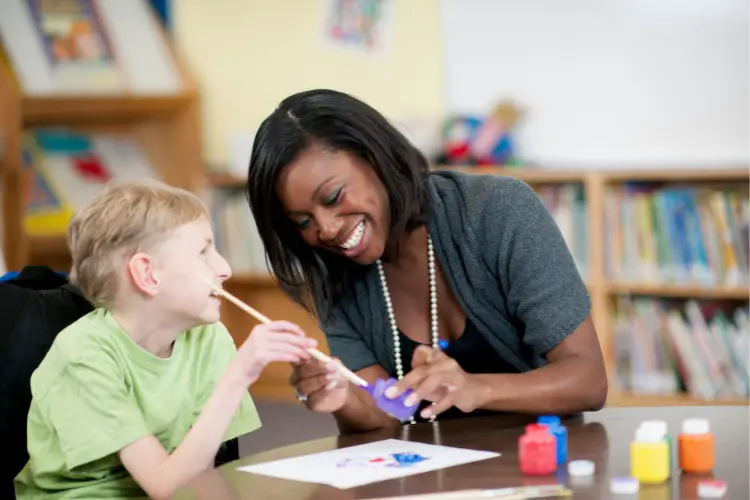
(97, 391)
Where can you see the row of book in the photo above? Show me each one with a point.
(669, 347)
(67, 168)
(236, 234)
(679, 235)
(567, 205)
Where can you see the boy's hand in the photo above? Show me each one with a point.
(270, 342)
(319, 386)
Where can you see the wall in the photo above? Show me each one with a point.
(249, 54)
(606, 82)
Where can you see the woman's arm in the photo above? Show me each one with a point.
(575, 380)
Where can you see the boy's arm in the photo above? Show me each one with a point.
(161, 474)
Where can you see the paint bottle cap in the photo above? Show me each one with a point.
(712, 489)
(581, 468)
(656, 426)
(537, 428)
(623, 485)
(646, 434)
(549, 420)
(695, 426)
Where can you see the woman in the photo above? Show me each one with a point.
(395, 260)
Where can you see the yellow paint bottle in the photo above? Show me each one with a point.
(649, 456)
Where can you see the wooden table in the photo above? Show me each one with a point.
(602, 437)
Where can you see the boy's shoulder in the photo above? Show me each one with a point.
(97, 341)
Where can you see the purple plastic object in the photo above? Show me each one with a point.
(394, 407)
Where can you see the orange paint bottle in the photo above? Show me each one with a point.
(696, 446)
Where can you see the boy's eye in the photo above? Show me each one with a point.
(333, 198)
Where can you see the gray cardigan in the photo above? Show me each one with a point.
(504, 259)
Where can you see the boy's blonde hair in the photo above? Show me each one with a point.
(126, 217)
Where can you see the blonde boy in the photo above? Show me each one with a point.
(138, 395)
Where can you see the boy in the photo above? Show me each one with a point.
(138, 395)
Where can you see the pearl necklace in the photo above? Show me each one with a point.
(392, 316)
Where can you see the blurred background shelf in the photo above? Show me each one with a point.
(626, 227)
(680, 291)
(626, 399)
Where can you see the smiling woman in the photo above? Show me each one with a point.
(396, 260)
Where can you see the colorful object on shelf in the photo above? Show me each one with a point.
(493, 144)
(537, 449)
(696, 450)
(458, 132)
(712, 489)
(649, 455)
(561, 435)
(475, 140)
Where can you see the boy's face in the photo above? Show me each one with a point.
(179, 266)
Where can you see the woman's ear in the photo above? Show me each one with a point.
(142, 272)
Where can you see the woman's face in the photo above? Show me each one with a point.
(337, 202)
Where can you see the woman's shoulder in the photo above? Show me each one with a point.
(478, 189)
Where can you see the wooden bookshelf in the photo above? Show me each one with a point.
(602, 288)
(166, 126)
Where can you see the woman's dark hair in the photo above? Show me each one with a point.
(312, 277)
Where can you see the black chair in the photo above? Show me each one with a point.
(35, 305)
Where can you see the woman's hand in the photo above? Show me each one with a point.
(319, 386)
(437, 377)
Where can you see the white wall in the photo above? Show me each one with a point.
(606, 83)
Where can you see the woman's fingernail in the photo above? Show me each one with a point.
(411, 400)
(331, 385)
(332, 376)
(391, 392)
(426, 413)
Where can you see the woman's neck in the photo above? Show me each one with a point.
(411, 250)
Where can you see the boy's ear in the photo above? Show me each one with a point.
(142, 271)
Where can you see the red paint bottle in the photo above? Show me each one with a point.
(537, 450)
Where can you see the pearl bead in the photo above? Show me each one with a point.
(392, 316)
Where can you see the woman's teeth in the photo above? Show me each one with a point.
(355, 237)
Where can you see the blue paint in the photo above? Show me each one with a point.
(408, 458)
(443, 344)
(561, 435)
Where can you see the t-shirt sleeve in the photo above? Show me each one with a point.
(223, 351)
(92, 412)
(538, 274)
(346, 343)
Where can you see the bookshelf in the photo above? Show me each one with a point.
(164, 120)
(597, 188)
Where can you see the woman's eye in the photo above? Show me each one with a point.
(333, 198)
(303, 223)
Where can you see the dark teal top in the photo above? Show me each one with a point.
(473, 354)
(506, 262)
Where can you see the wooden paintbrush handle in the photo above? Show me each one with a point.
(344, 371)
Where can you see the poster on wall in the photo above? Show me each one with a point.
(362, 25)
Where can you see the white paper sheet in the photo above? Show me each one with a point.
(367, 463)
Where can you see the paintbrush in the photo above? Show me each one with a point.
(392, 406)
(519, 493)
